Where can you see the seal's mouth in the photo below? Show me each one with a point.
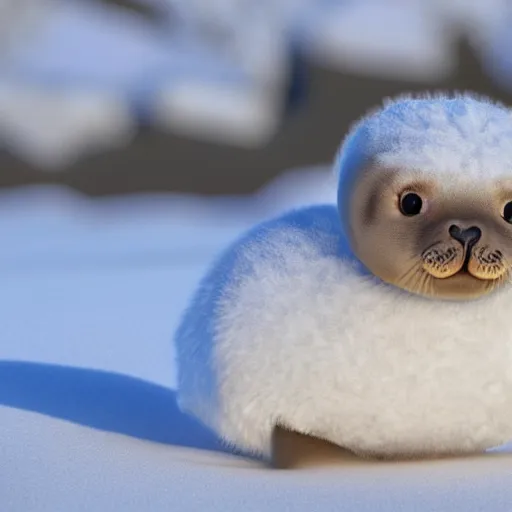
(458, 271)
(446, 260)
(468, 250)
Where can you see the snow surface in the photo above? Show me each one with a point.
(91, 292)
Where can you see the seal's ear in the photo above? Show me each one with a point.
(291, 450)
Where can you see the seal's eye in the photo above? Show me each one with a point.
(507, 212)
(411, 204)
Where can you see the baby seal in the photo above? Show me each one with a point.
(379, 325)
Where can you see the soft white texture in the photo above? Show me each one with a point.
(287, 327)
(461, 134)
(304, 339)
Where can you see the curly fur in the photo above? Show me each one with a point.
(289, 327)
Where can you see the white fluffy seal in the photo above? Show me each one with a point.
(381, 324)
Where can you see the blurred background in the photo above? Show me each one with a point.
(220, 96)
(139, 137)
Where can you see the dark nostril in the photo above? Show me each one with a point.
(454, 231)
(465, 236)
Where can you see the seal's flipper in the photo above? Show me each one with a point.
(292, 450)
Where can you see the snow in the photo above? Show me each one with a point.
(408, 40)
(238, 116)
(218, 70)
(91, 292)
(87, 123)
(86, 76)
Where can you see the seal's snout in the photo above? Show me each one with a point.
(466, 236)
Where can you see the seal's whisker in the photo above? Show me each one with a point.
(412, 276)
(424, 283)
(409, 274)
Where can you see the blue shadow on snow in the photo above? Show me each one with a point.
(102, 400)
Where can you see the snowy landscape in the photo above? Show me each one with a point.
(91, 292)
(206, 71)
(93, 288)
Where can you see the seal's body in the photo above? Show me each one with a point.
(377, 325)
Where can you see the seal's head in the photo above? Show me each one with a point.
(425, 195)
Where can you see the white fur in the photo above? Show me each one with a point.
(287, 327)
(460, 134)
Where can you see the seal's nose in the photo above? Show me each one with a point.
(468, 236)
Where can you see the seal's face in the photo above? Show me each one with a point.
(446, 238)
